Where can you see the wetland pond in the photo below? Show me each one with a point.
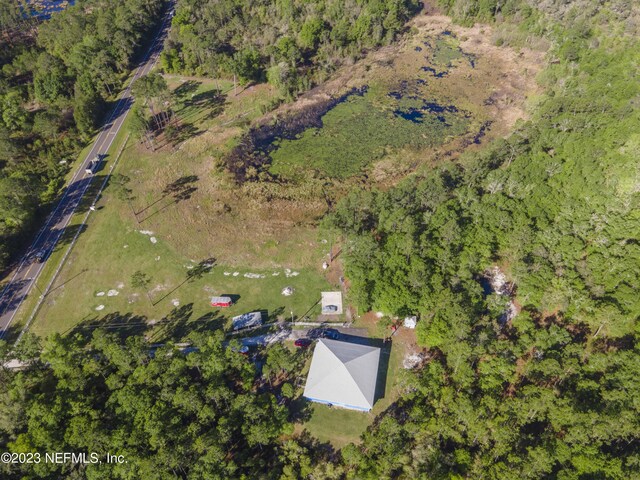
(344, 136)
(364, 128)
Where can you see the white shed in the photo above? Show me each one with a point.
(410, 322)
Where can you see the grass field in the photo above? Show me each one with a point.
(140, 226)
(182, 197)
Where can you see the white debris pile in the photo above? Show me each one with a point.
(226, 274)
(510, 313)
(287, 291)
(235, 274)
(158, 288)
(153, 239)
(100, 307)
(498, 280)
(289, 273)
(100, 294)
(412, 360)
(175, 302)
(500, 285)
(146, 232)
(253, 275)
(112, 293)
(275, 274)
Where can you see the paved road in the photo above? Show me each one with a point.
(25, 275)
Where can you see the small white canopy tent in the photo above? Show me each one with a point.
(343, 374)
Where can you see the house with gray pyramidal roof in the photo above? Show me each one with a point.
(343, 375)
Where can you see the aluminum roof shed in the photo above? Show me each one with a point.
(343, 374)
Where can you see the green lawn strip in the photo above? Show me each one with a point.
(336, 425)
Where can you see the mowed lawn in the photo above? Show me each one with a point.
(151, 218)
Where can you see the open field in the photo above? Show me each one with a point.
(135, 230)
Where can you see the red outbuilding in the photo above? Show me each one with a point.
(221, 301)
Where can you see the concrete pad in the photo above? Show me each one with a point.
(331, 298)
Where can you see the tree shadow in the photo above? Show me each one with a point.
(207, 99)
(203, 106)
(174, 323)
(180, 132)
(186, 88)
(10, 334)
(181, 325)
(195, 273)
(179, 190)
(273, 316)
(235, 298)
(300, 410)
(179, 185)
(122, 324)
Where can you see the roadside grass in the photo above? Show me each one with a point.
(75, 224)
(112, 248)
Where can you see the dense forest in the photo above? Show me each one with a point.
(204, 415)
(548, 392)
(56, 79)
(291, 43)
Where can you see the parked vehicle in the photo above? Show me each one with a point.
(243, 349)
(221, 302)
(303, 342)
(41, 255)
(331, 333)
(330, 309)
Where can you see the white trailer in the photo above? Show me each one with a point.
(247, 320)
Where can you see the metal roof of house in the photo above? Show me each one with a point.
(343, 374)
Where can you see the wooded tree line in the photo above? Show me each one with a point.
(55, 79)
(201, 415)
(291, 43)
(552, 393)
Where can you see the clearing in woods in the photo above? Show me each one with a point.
(165, 213)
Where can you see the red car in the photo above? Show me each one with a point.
(303, 342)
